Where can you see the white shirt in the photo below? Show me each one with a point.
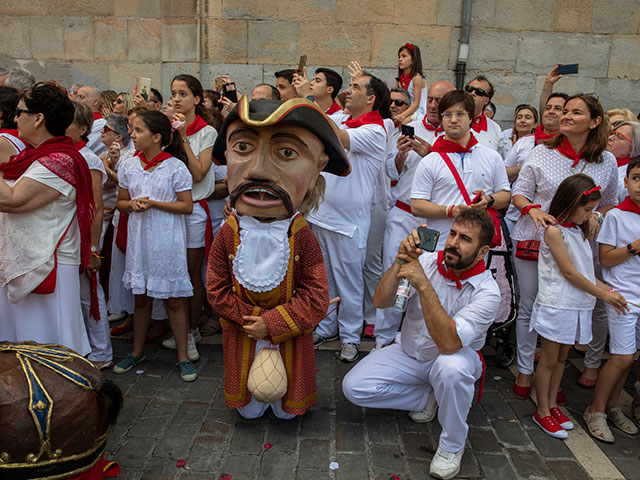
(94, 162)
(382, 192)
(422, 107)
(95, 136)
(542, 173)
(515, 158)
(473, 309)
(199, 141)
(481, 169)
(491, 137)
(347, 200)
(622, 191)
(619, 229)
(18, 144)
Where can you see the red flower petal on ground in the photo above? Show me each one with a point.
(267, 446)
(181, 463)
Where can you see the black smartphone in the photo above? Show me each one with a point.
(301, 64)
(229, 91)
(428, 239)
(568, 69)
(407, 130)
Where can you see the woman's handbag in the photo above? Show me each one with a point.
(528, 250)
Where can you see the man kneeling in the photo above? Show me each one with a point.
(453, 301)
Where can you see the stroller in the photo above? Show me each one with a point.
(500, 263)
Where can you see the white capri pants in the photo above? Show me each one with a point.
(527, 272)
(99, 332)
(389, 378)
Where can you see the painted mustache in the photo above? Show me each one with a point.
(273, 190)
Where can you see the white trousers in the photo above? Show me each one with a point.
(389, 378)
(52, 318)
(399, 226)
(527, 272)
(344, 261)
(373, 264)
(98, 332)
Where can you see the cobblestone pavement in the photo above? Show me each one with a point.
(166, 420)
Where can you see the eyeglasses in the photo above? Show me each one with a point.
(20, 111)
(620, 136)
(458, 115)
(107, 129)
(399, 103)
(479, 91)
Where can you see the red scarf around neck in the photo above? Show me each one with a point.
(373, 117)
(442, 145)
(449, 275)
(58, 155)
(79, 145)
(629, 205)
(195, 126)
(430, 127)
(161, 157)
(404, 81)
(623, 161)
(540, 136)
(569, 224)
(97, 115)
(567, 150)
(480, 123)
(335, 107)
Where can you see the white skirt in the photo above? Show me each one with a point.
(561, 326)
(53, 318)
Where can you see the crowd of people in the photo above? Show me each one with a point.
(110, 203)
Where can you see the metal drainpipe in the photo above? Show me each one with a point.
(463, 53)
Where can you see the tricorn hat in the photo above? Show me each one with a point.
(298, 111)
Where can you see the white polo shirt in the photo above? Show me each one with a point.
(94, 162)
(622, 191)
(473, 309)
(18, 144)
(199, 141)
(491, 137)
(481, 169)
(347, 200)
(95, 136)
(619, 229)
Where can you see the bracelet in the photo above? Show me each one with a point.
(449, 211)
(186, 140)
(611, 290)
(632, 251)
(526, 209)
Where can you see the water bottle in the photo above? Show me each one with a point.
(402, 296)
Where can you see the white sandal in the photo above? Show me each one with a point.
(597, 425)
(620, 420)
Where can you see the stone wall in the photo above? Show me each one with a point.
(513, 42)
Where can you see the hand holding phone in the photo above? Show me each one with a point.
(230, 92)
(568, 69)
(477, 198)
(407, 130)
(428, 239)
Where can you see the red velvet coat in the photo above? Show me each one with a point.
(290, 311)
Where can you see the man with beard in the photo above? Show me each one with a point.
(266, 275)
(453, 301)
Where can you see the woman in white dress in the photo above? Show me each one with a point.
(411, 78)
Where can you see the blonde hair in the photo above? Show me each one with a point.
(625, 112)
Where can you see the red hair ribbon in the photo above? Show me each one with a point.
(408, 46)
(590, 191)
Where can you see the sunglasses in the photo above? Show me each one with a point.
(119, 100)
(399, 103)
(107, 129)
(479, 91)
(20, 111)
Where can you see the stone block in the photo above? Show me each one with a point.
(188, 8)
(313, 453)
(483, 440)
(273, 42)
(248, 438)
(528, 463)
(573, 16)
(625, 57)
(351, 468)
(180, 40)
(245, 76)
(139, 8)
(496, 467)
(489, 50)
(373, 11)
(346, 43)
(47, 39)
(387, 460)
(226, 41)
(483, 13)
(54, 70)
(278, 465)
(94, 9)
(212, 9)
(78, 38)
(434, 43)
(123, 76)
(249, 9)
(110, 38)
(206, 453)
(134, 452)
(89, 73)
(570, 84)
(170, 70)
(510, 432)
(615, 16)
(539, 52)
(15, 36)
(312, 10)
(20, 7)
(173, 446)
(241, 466)
(618, 93)
(388, 76)
(418, 12)
(143, 40)
(519, 15)
(349, 438)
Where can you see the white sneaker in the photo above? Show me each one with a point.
(428, 413)
(114, 317)
(445, 465)
(196, 335)
(349, 352)
(192, 351)
(169, 343)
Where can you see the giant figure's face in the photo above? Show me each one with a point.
(271, 169)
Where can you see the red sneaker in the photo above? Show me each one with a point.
(521, 392)
(561, 398)
(561, 418)
(550, 426)
(368, 330)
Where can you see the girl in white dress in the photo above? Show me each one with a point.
(411, 78)
(156, 191)
(567, 291)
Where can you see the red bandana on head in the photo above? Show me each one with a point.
(540, 136)
(472, 272)
(162, 156)
(442, 145)
(480, 123)
(335, 107)
(366, 119)
(629, 205)
(430, 127)
(197, 125)
(623, 161)
(567, 150)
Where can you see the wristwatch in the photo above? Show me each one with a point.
(632, 251)
(95, 249)
(491, 201)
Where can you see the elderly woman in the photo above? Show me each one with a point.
(46, 210)
(10, 144)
